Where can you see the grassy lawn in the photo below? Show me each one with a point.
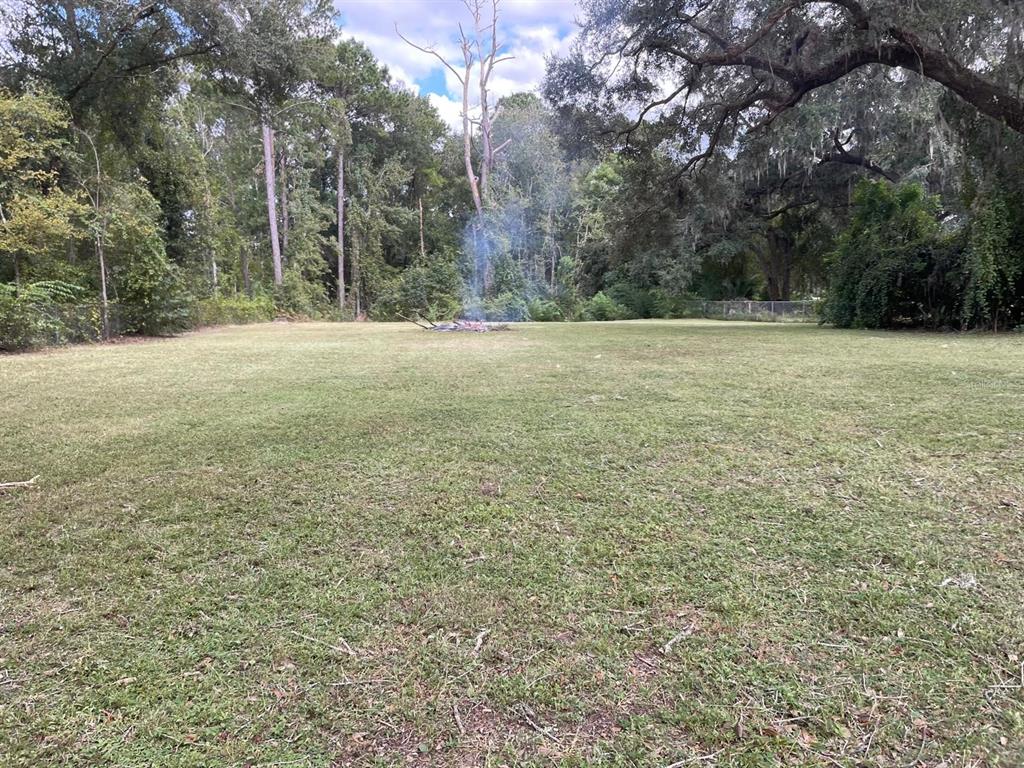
(628, 544)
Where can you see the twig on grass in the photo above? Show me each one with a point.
(21, 483)
(527, 716)
(480, 641)
(667, 647)
(343, 648)
(697, 759)
(458, 718)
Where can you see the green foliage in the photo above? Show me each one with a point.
(508, 307)
(638, 301)
(894, 266)
(146, 284)
(994, 262)
(544, 311)
(37, 217)
(602, 307)
(299, 297)
(232, 310)
(32, 316)
(881, 268)
(669, 304)
(432, 290)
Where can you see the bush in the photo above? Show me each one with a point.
(994, 262)
(887, 259)
(19, 324)
(147, 285)
(507, 307)
(639, 302)
(544, 311)
(298, 296)
(232, 310)
(431, 290)
(32, 317)
(674, 305)
(602, 307)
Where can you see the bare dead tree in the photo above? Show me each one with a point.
(480, 49)
(488, 58)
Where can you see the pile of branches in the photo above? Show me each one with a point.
(464, 326)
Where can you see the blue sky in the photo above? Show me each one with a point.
(529, 29)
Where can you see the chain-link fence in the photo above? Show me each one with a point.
(83, 322)
(39, 324)
(741, 309)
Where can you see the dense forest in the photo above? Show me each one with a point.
(172, 163)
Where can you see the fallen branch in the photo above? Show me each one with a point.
(410, 320)
(21, 484)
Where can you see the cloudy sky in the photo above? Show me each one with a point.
(529, 29)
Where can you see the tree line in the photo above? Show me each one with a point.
(178, 162)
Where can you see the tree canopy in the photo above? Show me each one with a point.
(177, 162)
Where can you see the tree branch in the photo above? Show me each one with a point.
(431, 51)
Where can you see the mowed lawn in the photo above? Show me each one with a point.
(624, 544)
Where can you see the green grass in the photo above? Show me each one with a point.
(317, 545)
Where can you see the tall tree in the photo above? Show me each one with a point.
(270, 50)
(482, 49)
(726, 67)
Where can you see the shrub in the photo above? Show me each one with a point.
(19, 323)
(32, 316)
(994, 262)
(298, 296)
(639, 302)
(602, 307)
(232, 310)
(148, 286)
(507, 307)
(886, 258)
(544, 311)
(673, 305)
(432, 290)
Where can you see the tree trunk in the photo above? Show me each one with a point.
(284, 204)
(246, 280)
(270, 182)
(550, 238)
(104, 304)
(341, 229)
(356, 288)
(467, 147)
(423, 242)
(486, 155)
(208, 199)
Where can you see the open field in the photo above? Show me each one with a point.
(628, 544)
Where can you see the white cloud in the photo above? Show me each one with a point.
(448, 108)
(529, 29)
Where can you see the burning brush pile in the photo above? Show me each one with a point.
(457, 326)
